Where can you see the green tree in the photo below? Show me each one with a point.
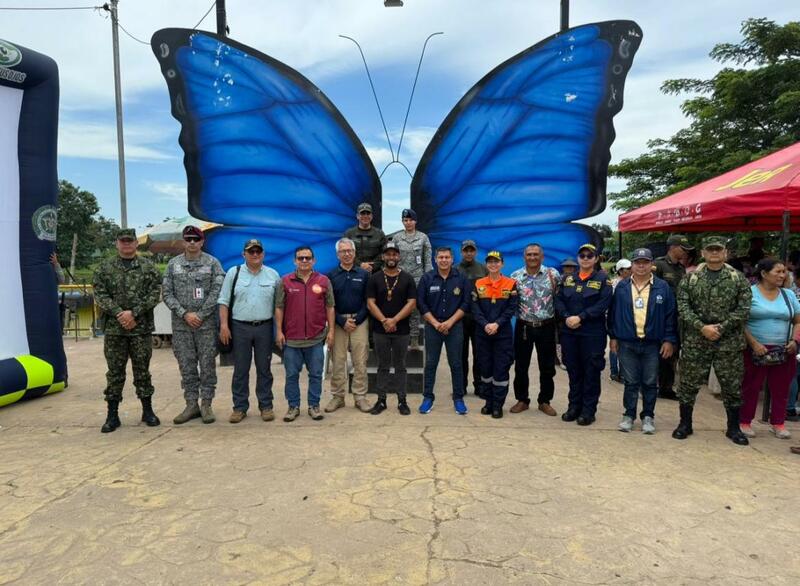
(78, 214)
(747, 110)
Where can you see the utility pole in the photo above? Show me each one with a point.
(564, 15)
(123, 200)
(222, 24)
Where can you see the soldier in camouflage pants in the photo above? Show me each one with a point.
(713, 306)
(192, 283)
(127, 288)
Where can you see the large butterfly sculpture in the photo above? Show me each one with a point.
(522, 154)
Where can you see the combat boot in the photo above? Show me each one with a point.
(112, 419)
(206, 412)
(734, 432)
(684, 428)
(148, 417)
(191, 411)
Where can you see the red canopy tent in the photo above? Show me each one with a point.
(761, 196)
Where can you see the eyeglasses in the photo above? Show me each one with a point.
(126, 240)
(304, 258)
(347, 251)
(255, 251)
(192, 239)
(365, 213)
(586, 255)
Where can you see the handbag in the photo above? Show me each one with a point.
(776, 354)
(227, 348)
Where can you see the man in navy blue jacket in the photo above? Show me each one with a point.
(642, 325)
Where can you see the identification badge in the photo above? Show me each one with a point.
(419, 259)
(198, 293)
(639, 303)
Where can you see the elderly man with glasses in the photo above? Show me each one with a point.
(250, 288)
(368, 239)
(582, 301)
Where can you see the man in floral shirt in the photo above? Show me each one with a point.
(536, 326)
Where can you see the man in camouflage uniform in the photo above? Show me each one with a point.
(415, 259)
(670, 268)
(713, 306)
(191, 287)
(369, 240)
(127, 288)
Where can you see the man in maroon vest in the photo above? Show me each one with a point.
(304, 320)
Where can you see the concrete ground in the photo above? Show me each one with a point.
(362, 499)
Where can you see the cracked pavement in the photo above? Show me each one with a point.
(362, 499)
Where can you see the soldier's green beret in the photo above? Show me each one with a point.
(715, 241)
(126, 233)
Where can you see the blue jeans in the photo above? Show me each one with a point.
(639, 363)
(613, 363)
(433, 350)
(293, 360)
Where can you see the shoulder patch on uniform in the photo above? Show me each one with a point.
(569, 281)
(594, 284)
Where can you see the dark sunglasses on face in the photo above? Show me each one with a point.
(304, 258)
(586, 255)
(364, 213)
(255, 251)
(125, 240)
(192, 239)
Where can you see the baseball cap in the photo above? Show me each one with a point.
(468, 243)
(193, 231)
(494, 254)
(391, 245)
(709, 241)
(680, 240)
(588, 246)
(623, 263)
(409, 213)
(126, 233)
(569, 262)
(252, 243)
(364, 207)
(642, 254)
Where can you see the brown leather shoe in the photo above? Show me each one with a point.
(547, 409)
(795, 449)
(520, 407)
(237, 416)
(267, 415)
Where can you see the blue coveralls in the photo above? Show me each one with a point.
(583, 349)
(494, 302)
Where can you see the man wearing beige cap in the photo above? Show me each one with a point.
(369, 239)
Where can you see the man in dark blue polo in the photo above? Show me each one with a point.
(443, 296)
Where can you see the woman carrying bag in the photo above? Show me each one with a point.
(771, 350)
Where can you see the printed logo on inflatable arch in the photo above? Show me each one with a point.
(9, 54)
(45, 223)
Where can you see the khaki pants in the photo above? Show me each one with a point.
(358, 344)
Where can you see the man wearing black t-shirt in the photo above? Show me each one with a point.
(391, 297)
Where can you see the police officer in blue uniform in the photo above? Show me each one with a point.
(494, 303)
(582, 302)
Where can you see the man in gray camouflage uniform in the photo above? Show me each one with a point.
(191, 287)
(713, 306)
(127, 288)
(415, 259)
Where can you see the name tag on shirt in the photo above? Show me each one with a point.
(198, 293)
(419, 259)
(639, 303)
(435, 288)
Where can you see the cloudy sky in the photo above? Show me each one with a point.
(478, 35)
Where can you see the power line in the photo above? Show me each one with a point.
(206, 14)
(51, 7)
(124, 30)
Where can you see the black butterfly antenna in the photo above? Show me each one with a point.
(395, 157)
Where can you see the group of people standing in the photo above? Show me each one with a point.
(384, 287)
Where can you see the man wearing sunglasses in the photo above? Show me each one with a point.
(304, 321)
(582, 301)
(253, 301)
(191, 288)
(369, 240)
(127, 288)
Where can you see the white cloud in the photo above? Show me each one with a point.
(168, 191)
(90, 140)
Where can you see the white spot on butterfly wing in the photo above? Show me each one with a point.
(569, 98)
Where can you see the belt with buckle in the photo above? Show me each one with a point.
(538, 323)
(253, 323)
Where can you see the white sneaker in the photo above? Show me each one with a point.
(747, 430)
(648, 426)
(626, 424)
(780, 432)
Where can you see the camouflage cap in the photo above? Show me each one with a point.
(469, 244)
(679, 240)
(126, 233)
(494, 254)
(710, 241)
(364, 207)
(253, 243)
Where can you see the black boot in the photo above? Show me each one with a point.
(148, 417)
(112, 419)
(684, 428)
(402, 406)
(379, 406)
(487, 408)
(734, 432)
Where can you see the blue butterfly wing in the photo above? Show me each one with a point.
(266, 153)
(526, 150)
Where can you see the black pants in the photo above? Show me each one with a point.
(252, 343)
(391, 351)
(469, 336)
(666, 372)
(544, 339)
